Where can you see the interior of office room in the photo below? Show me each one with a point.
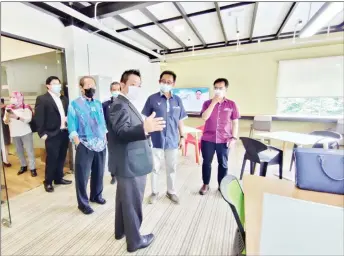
(50, 224)
(252, 82)
(24, 68)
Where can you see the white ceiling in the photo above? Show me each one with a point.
(14, 49)
(269, 17)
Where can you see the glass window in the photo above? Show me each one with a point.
(311, 106)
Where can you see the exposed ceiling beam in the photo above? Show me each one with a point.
(253, 22)
(287, 17)
(140, 32)
(102, 30)
(189, 22)
(154, 19)
(221, 22)
(194, 14)
(110, 9)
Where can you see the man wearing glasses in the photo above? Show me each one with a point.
(220, 132)
(167, 142)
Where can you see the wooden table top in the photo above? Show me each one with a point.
(254, 189)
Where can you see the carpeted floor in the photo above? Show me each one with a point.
(51, 224)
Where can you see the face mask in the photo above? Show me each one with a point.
(165, 88)
(89, 93)
(115, 94)
(219, 93)
(56, 88)
(13, 101)
(133, 92)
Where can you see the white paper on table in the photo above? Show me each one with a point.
(296, 227)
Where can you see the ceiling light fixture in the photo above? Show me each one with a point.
(325, 14)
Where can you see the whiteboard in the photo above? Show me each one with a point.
(315, 77)
(293, 227)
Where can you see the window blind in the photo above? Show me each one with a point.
(315, 77)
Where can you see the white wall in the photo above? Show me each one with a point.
(106, 58)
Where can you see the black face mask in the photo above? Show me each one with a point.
(89, 93)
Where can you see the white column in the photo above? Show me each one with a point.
(76, 58)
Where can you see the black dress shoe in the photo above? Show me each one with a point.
(113, 180)
(146, 241)
(85, 210)
(63, 182)
(98, 201)
(33, 173)
(119, 237)
(48, 187)
(7, 165)
(22, 170)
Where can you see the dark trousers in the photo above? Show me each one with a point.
(128, 215)
(208, 150)
(86, 162)
(56, 148)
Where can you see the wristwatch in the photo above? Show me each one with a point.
(18, 118)
(182, 137)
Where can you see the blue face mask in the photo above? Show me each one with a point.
(115, 94)
(56, 88)
(165, 88)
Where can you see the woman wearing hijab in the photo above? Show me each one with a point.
(18, 116)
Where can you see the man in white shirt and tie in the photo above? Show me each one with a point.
(50, 118)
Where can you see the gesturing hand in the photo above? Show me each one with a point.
(153, 124)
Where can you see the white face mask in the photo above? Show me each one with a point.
(219, 93)
(134, 93)
(13, 101)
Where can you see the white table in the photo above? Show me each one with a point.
(189, 129)
(300, 139)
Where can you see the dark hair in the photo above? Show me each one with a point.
(199, 91)
(168, 72)
(82, 80)
(112, 84)
(222, 80)
(127, 73)
(51, 78)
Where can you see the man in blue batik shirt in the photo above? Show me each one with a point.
(167, 142)
(87, 129)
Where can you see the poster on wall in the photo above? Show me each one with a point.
(193, 98)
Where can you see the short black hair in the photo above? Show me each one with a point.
(169, 72)
(199, 91)
(112, 84)
(51, 78)
(222, 80)
(127, 73)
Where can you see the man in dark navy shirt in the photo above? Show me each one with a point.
(115, 88)
(167, 142)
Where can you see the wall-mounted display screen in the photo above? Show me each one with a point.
(193, 98)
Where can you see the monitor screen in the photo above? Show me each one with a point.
(193, 98)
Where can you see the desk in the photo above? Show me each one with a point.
(301, 139)
(188, 129)
(254, 189)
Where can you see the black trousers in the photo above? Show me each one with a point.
(208, 150)
(56, 148)
(128, 215)
(86, 162)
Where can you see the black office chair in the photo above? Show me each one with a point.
(265, 155)
(331, 145)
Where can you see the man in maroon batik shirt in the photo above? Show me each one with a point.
(220, 132)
